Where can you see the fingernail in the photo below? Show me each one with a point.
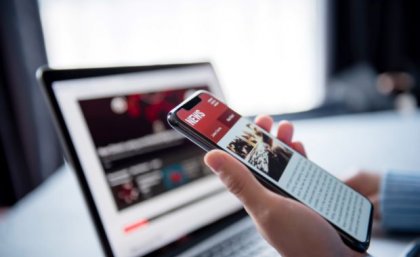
(214, 162)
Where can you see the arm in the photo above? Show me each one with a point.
(400, 201)
(395, 196)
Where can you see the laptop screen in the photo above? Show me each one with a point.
(148, 183)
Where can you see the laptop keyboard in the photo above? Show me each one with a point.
(246, 243)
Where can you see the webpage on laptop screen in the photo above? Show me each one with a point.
(149, 183)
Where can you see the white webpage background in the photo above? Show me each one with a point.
(168, 228)
(291, 168)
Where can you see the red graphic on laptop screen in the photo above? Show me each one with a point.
(210, 117)
(138, 151)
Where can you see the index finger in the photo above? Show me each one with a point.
(265, 122)
(285, 131)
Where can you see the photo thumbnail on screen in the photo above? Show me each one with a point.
(259, 150)
(138, 150)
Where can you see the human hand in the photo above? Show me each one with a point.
(367, 183)
(290, 227)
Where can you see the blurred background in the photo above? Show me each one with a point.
(299, 59)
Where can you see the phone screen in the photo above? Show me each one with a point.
(278, 163)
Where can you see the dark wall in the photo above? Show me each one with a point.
(384, 34)
(29, 151)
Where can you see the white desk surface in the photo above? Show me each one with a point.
(53, 220)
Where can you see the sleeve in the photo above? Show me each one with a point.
(400, 201)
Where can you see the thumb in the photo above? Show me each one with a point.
(238, 180)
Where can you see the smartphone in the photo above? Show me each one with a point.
(211, 124)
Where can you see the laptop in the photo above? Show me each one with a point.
(147, 189)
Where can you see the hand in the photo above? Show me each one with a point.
(291, 228)
(367, 183)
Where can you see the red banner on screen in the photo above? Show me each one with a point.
(210, 117)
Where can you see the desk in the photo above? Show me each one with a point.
(53, 220)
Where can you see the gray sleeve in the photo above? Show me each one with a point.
(400, 201)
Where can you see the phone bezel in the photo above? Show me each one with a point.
(206, 144)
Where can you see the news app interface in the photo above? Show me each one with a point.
(274, 160)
